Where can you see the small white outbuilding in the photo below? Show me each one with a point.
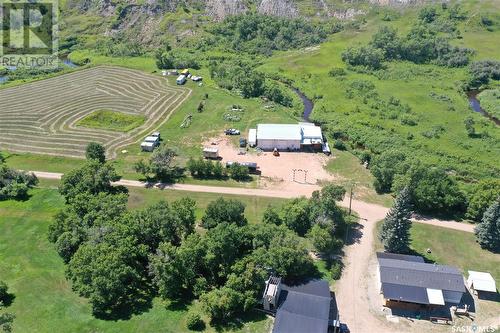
(481, 281)
(252, 137)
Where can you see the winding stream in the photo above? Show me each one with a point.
(65, 61)
(308, 104)
(476, 106)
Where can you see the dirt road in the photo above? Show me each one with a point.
(368, 211)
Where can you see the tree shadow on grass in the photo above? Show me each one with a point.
(7, 300)
(354, 234)
(137, 304)
(238, 323)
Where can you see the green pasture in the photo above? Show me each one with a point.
(111, 120)
(434, 94)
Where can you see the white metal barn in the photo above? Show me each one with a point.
(287, 136)
(280, 136)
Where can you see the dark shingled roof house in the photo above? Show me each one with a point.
(408, 278)
(301, 308)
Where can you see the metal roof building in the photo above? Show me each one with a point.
(409, 279)
(287, 136)
(303, 308)
(481, 281)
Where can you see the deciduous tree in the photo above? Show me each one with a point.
(224, 211)
(95, 151)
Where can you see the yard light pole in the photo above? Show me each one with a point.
(350, 197)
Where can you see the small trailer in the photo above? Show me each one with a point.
(252, 137)
(181, 79)
(211, 153)
(148, 146)
(153, 139)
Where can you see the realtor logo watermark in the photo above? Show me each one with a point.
(28, 33)
(473, 329)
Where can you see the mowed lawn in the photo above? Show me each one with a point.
(454, 248)
(44, 301)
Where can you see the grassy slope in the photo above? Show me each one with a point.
(35, 274)
(111, 120)
(453, 148)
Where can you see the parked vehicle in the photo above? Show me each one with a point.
(243, 142)
(232, 131)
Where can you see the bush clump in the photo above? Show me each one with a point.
(194, 322)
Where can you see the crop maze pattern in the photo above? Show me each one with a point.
(41, 117)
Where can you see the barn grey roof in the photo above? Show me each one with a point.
(405, 278)
(406, 257)
(303, 308)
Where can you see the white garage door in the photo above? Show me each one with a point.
(279, 144)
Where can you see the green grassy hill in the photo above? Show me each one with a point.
(434, 131)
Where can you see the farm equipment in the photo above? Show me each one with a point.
(276, 152)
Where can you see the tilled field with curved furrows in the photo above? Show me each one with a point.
(41, 117)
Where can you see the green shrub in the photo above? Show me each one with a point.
(336, 270)
(339, 145)
(194, 322)
(239, 172)
(337, 71)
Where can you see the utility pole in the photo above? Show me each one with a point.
(350, 198)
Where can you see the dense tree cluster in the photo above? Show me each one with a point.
(261, 34)
(320, 218)
(168, 58)
(224, 211)
(119, 259)
(240, 74)
(105, 246)
(14, 184)
(432, 189)
(427, 41)
(160, 166)
(481, 196)
(482, 71)
(204, 169)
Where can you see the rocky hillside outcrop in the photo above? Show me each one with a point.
(281, 8)
(220, 9)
